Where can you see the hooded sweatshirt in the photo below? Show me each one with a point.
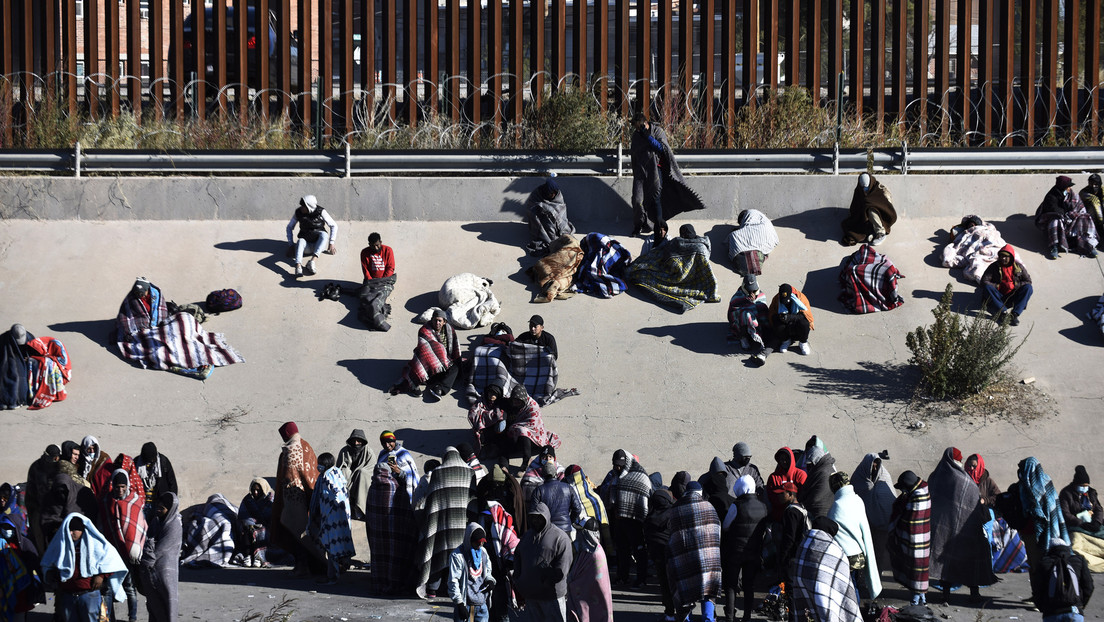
(542, 558)
(470, 570)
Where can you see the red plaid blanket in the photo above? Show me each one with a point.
(431, 357)
(869, 282)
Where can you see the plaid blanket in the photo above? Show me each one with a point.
(1040, 504)
(126, 524)
(529, 423)
(156, 340)
(910, 538)
(629, 493)
(602, 270)
(510, 364)
(822, 580)
(448, 507)
(676, 273)
(391, 530)
(49, 370)
(330, 514)
(210, 535)
(1009, 552)
(959, 549)
(431, 357)
(746, 314)
(869, 282)
(694, 551)
(1070, 223)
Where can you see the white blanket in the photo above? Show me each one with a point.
(973, 250)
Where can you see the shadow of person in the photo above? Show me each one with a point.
(718, 241)
(273, 250)
(1019, 231)
(822, 223)
(421, 302)
(100, 332)
(375, 373)
(1086, 332)
(514, 234)
(433, 442)
(698, 337)
(822, 288)
(965, 303)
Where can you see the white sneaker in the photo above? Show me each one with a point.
(298, 271)
(803, 348)
(878, 240)
(785, 346)
(310, 267)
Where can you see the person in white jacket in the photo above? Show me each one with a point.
(854, 536)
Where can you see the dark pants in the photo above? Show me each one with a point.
(730, 578)
(659, 559)
(628, 538)
(646, 200)
(795, 331)
(1016, 299)
(446, 378)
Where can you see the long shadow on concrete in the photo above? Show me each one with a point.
(421, 302)
(875, 382)
(966, 303)
(351, 583)
(514, 234)
(699, 337)
(718, 238)
(1087, 333)
(100, 332)
(376, 373)
(434, 442)
(822, 288)
(272, 249)
(1019, 231)
(822, 223)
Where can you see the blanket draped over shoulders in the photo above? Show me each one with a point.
(960, 553)
(857, 226)
(973, 250)
(868, 282)
(547, 221)
(677, 273)
(555, 273)
(602, 271)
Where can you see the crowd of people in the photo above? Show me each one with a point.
(808, 539)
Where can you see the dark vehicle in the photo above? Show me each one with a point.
(211, 50)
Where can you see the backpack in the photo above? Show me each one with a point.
(223, 300)
(1063, 586)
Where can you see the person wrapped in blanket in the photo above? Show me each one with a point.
(749, 245)
(748, 319)
(1092, 196)
(150, 334)
(83, 569)
(20, 577)
(791, 321)
(254, 518)
(1084, 518)
(547, 217)
(1065, 221)
(871, 214)
(1006, 286)
(33, 370)
(436, 360)
(677, 273)
(509, 427)
(330, 516)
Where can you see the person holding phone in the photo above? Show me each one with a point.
(400, 461)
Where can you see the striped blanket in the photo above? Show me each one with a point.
(510, 364)
(156, 340)
(676, 273)
(602, 270)
(822, 580)
(210, 535)
(910, 539)
(391, 530)
(1009, 552)
(746, 314)
(431, 355)
(694, 551)
(869, 282)
(448, 506)
(329, 515)
(126, 525)
(49, 370)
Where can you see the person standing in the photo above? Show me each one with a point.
(626, 491)
(79, 562)
(125, 526)
(470, 577)
(39, 475)
(1061, 584)
(159, 571)
(330, 516)
(400, 462)
(694, 554)
(296, 474)
(447, 508)
(542, 561)
(391, 532)
(740, 554)
(312, 220)
(355, 462)
(156, 472)
(960, 552)
(909, 540)
(855, 536)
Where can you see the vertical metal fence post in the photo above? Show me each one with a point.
(619, 156)
(839, 108)
(77, 160)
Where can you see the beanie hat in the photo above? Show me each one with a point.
(693, 486)
(288, 430)
(1080, 475)
(548, 470)
(1063, 182)
(741, 449)
(149, 452)
(838, 480)
(550, 188)
(19, 334)
(387, 435)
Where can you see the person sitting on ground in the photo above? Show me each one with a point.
(1092, 196)
(254, 519)
(149, 335)
(14, 364)
(525, 425)
(209, 535)
(678, 273)
(1006, 286)
(547, 217)
(791, 321)
(400, 461)
(329, 518)
(355, 462)
(77, 564)
(555, 273)
(488, 423)
(470, 576)
(1084, 518)
(33, 370)
(1066, 222)
(436, 360)
(658, 239)
(538, 336)
(1061, 584)
(378, 264)
(749, 245)
(312, 220)
(748, 319)
(871, 215)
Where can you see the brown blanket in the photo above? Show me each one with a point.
(856, 227)
(556, 272)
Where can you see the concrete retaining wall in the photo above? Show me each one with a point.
(467, 199)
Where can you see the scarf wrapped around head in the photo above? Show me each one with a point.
(979, 470)
(1006, 284)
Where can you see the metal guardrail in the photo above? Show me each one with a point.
(350, 163)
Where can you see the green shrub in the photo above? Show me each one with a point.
(570, 120)
(958, 356)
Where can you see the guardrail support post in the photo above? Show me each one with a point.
(904, 157)
(619, 156)
(77, 160)
(348, 160)
(835, 160)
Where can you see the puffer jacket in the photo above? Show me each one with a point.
(563, 503)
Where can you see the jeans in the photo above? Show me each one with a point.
(80, 608)
(482, 614)
(319, 245)
(131, 597)
(1073, 616)
(1016, 299)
